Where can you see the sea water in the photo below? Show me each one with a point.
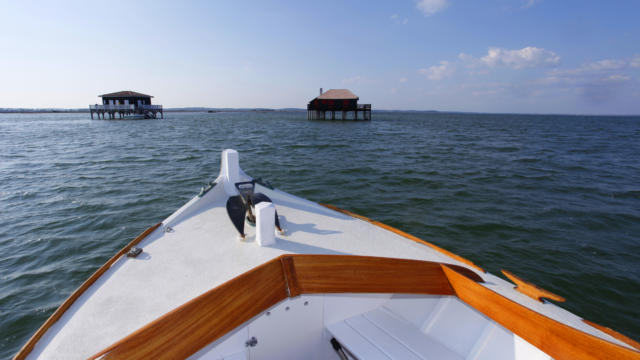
(553, 199)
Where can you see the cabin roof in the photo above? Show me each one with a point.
(338, 94)
(125, 93)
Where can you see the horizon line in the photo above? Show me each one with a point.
(8, 110)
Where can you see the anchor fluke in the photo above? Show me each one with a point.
(260, 197)
(237, 211)
(242, 206)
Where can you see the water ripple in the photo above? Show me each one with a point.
(554, 199)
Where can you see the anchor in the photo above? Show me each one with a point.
(241, 207)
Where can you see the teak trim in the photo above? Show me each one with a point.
(201, 321)
(190, 327)
(556, 339)
(625, 339)
(531, 290)
(318, 274)
(406, 235)
(26, 349)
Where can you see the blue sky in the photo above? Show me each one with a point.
(530, 56)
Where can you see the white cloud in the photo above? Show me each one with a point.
(617, 78)
(470, 61)
(608, 64)
(598, 82)
(430, 7)
(403, 80)
(398, 20)
(635, 62)
(526, 57)
(530, 3)
(438, 72)
(465, 57)
(596, 68)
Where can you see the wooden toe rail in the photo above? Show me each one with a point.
(185, 330)
(406, 235)
(190, 327)
(26, 349)
(558, 340)
(531, 290)
(625, 339)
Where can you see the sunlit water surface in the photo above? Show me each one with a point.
(554, 199)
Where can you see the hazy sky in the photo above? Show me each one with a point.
(541, 56)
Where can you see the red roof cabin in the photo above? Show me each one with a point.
(338, 100)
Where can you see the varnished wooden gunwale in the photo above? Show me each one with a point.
(625, 339)
(532, 290)
(185, 330)
(406, 235)
(26, 349)
(190, 327)
(556, 339)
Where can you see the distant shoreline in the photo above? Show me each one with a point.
(82, 111)
(220, 110)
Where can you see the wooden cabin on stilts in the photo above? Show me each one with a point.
(342, 102)
(126, 104)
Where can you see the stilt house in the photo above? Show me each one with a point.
(342, 101)
(125, 103)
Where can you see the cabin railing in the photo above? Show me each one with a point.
(124, 107)
(150, 107)
(116, 107)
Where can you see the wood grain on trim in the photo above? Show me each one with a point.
(556, 339)
(289, 272)
(406, 235)
(185, 330)
(625, 339)
(190, 327)
(531, 290)
(26, 349)
(364, 274)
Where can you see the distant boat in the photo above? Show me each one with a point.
(246, 271)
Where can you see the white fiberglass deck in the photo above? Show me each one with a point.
(197, 248)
